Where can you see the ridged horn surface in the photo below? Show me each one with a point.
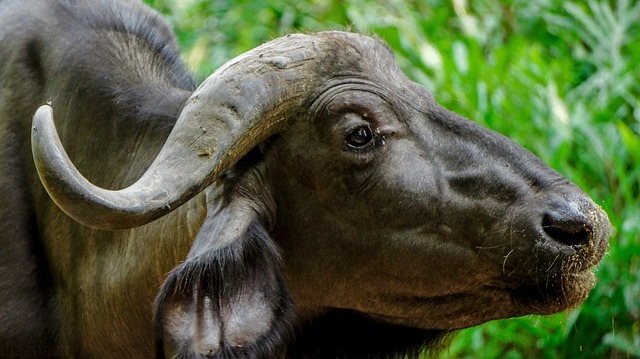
(239, 106)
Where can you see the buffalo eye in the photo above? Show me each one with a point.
(360, 137)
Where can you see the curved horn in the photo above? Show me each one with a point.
(240, 105)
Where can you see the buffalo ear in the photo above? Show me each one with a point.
(229, 298)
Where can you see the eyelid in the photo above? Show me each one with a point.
(350, 122)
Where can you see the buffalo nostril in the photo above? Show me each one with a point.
(568, 228)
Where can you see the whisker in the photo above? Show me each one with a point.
(493, 247)
(504, 263)
(552, 263)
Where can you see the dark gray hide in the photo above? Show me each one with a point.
(305, 190)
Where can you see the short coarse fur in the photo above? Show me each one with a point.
(39, 41)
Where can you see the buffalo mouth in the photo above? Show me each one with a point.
(557, 273)
(556, 293)
(562, 277)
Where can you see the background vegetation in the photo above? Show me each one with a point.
(560, 77)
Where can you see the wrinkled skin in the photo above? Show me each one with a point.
(469, 245)
(365, 207)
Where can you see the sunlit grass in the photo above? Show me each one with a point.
(559, 77)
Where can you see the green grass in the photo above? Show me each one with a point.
(562, 78)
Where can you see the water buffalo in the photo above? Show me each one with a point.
(306, 200)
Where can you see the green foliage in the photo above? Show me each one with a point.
(560, 77)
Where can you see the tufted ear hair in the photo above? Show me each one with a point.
(229, 298)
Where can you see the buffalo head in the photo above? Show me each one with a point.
(382, 202)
